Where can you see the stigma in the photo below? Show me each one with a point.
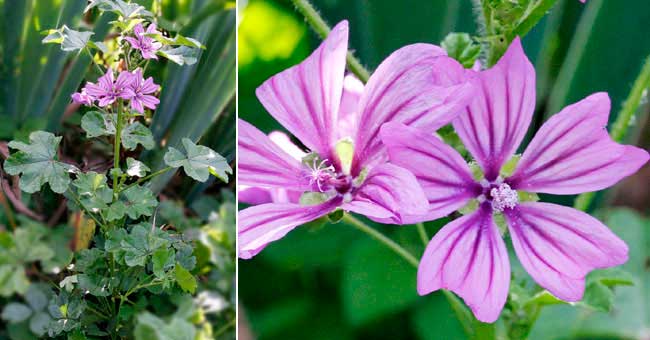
(503, 197)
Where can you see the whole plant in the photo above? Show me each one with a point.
(454, 117)
(131, 275)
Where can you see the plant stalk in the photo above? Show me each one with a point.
(321, 28)
(116, 151)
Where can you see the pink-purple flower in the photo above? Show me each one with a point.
(83, 98)
(139, 92)
(143, 43)
(571, 153)
(108, 89)
(128, 86)
(347, 168)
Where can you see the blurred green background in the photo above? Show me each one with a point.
(336, 283)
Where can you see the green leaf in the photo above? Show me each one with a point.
(93, 191)
(598, 296)
(69, 39)
(163, 259)
(182, 55)
(29, 245)
(198, 162)
(36, 163)
(120, 7)
(135, 201)
(185, 279)
(97, 124)
(135, 134)
(611, 277)
(177, 40)
(150, 327)
(141, 243)
(68, 283)
(135, 168)
(39, 322)
(16, 312)
(96, 285)
(36, 298)
(461, 47)
(12, 280)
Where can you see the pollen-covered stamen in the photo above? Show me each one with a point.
(503, 197)
(321, 175)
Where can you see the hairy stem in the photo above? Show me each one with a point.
(321, 28)
(622, 123)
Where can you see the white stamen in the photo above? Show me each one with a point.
(320, 174)
(503, 197)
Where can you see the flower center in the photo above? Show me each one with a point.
(323, 177)
(499, 194)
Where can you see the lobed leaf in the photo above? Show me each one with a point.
(135, 168)
(198, 161)
(37, 165)
(135, 134)
(69, 39)
(133, 202)
(120, 7)
(97, 124)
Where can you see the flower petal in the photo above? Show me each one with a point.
(387, 194)
(497, 118)
(263, 164)
(441, 171)
(468, 256)
(417, 85)
(573, 153)
(558, 246)
(263, 224)
(352, 90)
(305, 99)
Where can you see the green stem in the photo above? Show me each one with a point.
(77, 201)
(98, 313)
(116, 152)
(622, 123)
(92, 60)
(423, 233)
(321, 28)
(532, 17)
(224, 328)
(146, 178)
(381, 238)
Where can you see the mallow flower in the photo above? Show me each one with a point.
(139, 91)
(83, 98)
(347, 167)
(570, 154)
(143, 43)
(108, 89)
(352, 90)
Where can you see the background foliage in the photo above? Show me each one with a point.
(332, 281)
(197, 102)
